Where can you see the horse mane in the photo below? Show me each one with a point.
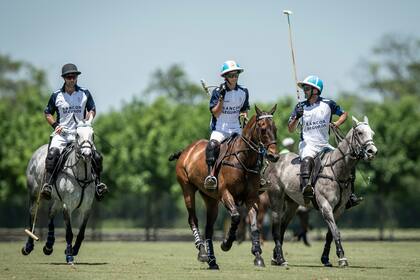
(250, 124)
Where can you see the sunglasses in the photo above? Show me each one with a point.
(70, 77)
(307, 88)
(232, 75)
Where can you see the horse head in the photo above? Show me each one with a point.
(84, 137)
(361, 142)
(262, 132)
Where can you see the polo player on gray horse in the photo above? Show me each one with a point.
(70, 101)
(316, 114)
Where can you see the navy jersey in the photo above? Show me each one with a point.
(235, 102)
(66, 105)
(316, 119)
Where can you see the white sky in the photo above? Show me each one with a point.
(118, 44)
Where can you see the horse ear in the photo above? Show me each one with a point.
(366, 120)
(355, 121)
(273, 109)
(259, 113)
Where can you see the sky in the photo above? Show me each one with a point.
(117, 45)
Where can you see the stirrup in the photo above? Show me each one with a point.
(210, 183)
(46, 191)
(353, 201)
(308, 192)
(100, 190)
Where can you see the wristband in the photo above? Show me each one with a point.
(54, 125)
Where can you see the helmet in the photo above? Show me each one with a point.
(69, 68)
(287, 141)
(313, 81)
(229, 66)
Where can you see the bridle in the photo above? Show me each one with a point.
(259, 148)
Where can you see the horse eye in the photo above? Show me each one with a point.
(360, 133)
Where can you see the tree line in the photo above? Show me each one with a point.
(137, 139)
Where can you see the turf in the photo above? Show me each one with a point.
(177, 260)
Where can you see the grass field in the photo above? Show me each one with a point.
(177, 260)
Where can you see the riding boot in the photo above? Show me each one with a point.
(50, 166)
(353, 199)
(305, 178)
(212, 152)
(100, 188)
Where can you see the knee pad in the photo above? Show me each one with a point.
(52, 158)
(97, 161)
(212, 151)
(306, 166)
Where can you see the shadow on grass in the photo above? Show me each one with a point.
(337, 267)
(77, 263)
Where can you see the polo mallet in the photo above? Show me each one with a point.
(206, 87)
(288, 13)
(31, 232)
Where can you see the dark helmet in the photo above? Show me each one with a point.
(69, 68)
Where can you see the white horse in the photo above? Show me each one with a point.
(332, 188)
(74, 188)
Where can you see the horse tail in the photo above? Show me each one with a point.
(175, 155)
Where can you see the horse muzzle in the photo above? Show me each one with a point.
(370, 152)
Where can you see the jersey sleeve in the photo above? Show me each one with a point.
(90, 104)
(335, 108)
(245, 106)
(51, 107)
(214, 98)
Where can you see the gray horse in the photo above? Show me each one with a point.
(74, 188)
(332, 188)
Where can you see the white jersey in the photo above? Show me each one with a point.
(315, 125)
(235, 102)
(66, 105)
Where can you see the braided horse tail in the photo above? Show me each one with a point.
(175, 155)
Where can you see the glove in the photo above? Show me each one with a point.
(299, 111)
(222, 90)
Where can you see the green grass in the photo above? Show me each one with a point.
(177, 260)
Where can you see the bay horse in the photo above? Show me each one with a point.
(332, 188)
(74, 188)
(238, 182)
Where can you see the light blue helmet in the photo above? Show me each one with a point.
(229, 66)
(313, 81)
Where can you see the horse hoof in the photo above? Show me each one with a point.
(47, 251)
(69, 259)
(24, 252)
(214, 266)
(343, 262)
(202, 257)
(259, 262)
(280, 262)
(225, 245)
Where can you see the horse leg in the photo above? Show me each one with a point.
(255, 235)
(303, 215)
(289, 213)
(277, 203)
(328, 216)
(189, 199)
(230, 205)
(29, 246)
(81, 234)
(69, 237)
(325, 258)
(212, 210)
(48, 247)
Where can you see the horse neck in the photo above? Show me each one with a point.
(249, 156)
(81, 168)
(341, 159)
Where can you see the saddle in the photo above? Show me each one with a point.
(318, 167)
(225, 147)
(62, 159)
